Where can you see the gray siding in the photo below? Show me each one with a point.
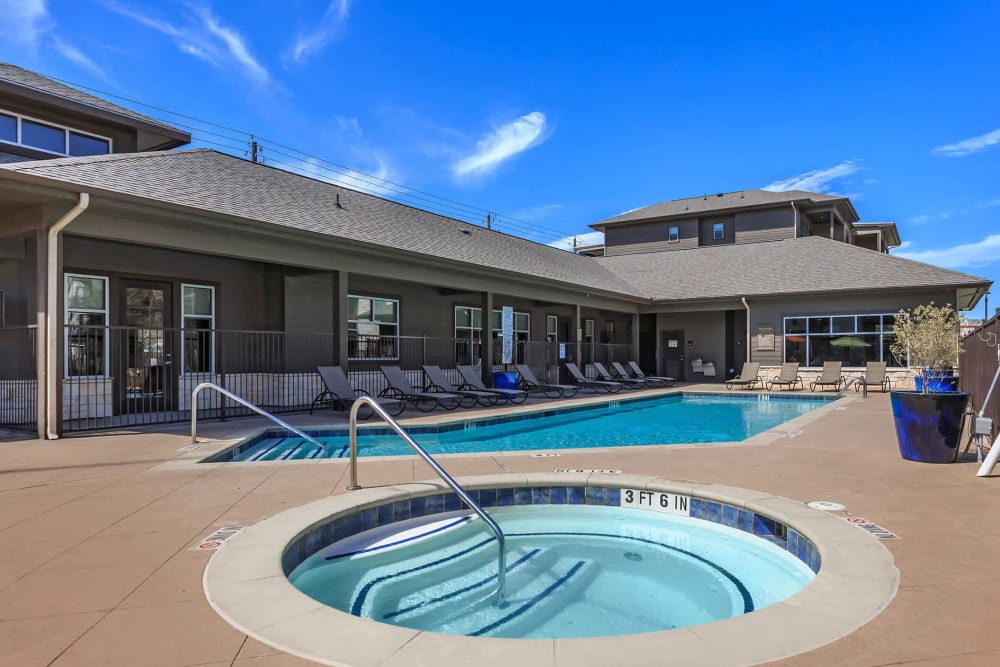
(17, 282)
(650, 237)
(771, 225)
(771, 313)
(707, 332)
(706, 232)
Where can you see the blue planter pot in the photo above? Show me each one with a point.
(928, 426)
(505, 380)
(936, 383)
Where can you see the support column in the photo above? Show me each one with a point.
(340, 291)
(41, 332)
(635, 336)
(578, 335)
(487, 338)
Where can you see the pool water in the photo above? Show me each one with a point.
(572, 571)
(673, 419)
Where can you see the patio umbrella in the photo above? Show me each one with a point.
(849, 341)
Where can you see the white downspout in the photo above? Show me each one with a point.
(52, 374)
(747, 306)
(795, 212)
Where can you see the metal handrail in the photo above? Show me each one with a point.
(244, 403)
(456, 487)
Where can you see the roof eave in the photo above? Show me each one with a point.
(611, 222)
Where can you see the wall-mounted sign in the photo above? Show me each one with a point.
(765, 338)
(507, 331)
(673, 343)
(562, 350)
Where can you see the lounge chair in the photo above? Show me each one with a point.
(748, 378)
(531, 383)
(438, 381)
(875, 376)
(607, 386)
(472, 380)
(339, 393)
(830, 377)
(662, 380)
(425, 401)
(630, 382)
(787, 377)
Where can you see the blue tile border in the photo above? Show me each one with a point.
(346, 525)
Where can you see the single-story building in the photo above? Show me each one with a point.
(130, 271)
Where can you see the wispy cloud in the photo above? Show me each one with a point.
(536, 212)
(308, 44)
(963, 255)
(24, 21)
(205, 37)
(566, 242)
(969, 146)
(951, 213)
(817, 180)
(503, 143)
(79, 58)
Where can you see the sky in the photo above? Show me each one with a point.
(552, 116)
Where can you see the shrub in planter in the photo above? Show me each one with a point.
(928, 422)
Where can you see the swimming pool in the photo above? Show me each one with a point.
(572, 571)
(663, 420)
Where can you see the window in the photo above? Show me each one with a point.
(198, 324)
(673, 235)
(372, 328)
(588, 331)
(468, 334)
(551, 328)
(86, 316)
(719, 231)
(50, 137)
(852, 339)
(522, 334)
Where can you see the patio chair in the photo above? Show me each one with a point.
(472, 380)
(438, 381)
(425, 401)
(663, 380)
(339, 393)
(748, 378)
(531, 383)
(607, 386)
(830, 377)
(630, 382)
(875, 376)
(788, 376)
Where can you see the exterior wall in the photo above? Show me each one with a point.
(705, 229)
(771, 313)
(706, 330)
(17, 282)
(122, 140)
(770, 225)
(650, 237)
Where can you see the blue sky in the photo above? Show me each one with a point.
(557, 115)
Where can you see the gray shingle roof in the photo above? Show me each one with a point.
(219, 183)
(713, 203)
(27, 78)
(810, 264)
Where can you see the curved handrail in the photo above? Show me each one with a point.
(456, 487)
(245, 403)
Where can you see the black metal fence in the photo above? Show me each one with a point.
(18, 379)
(127, 376)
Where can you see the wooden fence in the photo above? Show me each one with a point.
(979, 364)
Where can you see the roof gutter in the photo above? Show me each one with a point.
(51, 317)
(746, 305)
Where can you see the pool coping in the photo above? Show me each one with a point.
(211, 447)
(246, 584)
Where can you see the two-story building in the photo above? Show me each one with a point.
(130, 271)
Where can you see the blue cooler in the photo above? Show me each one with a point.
(505, 380)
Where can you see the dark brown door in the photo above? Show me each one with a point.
(672, 353)
(147, 375)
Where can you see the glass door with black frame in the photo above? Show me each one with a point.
(147, 373)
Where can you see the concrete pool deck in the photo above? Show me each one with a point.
(96, 566)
